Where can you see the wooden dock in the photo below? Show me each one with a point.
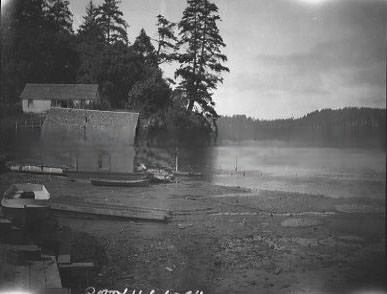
(187, 174)
(113, 211)
(23, 266)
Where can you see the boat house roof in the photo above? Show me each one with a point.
(60, 92)
(95, 125)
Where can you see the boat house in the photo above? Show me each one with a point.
(39, 98)
(91, 140)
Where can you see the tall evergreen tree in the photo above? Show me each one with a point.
(37, 45)
(59, 15)
(151, 96)
(202, 61)
(120, 70)
(113, 25)
(21, 23)
(61, 42)
(90, 29)
(90, 46)
(166, 41)
(143, 46)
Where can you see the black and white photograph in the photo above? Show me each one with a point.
(193, 147)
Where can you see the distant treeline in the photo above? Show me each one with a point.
(348, 127)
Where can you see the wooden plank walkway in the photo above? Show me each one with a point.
(30, 274)
(117, 211)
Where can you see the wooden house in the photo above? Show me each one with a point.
(39, 98)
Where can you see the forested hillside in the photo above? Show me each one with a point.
(39, 45)
(341, 127)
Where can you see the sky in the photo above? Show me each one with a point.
(286, 57)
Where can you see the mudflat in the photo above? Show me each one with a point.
(228, 239)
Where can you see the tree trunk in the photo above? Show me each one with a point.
(191, 104)
(194, 65)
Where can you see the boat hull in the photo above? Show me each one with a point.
(120, 183)
(26, 215)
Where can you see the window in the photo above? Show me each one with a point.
(30, 102)
(103, 161)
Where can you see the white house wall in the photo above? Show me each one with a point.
(37, 106)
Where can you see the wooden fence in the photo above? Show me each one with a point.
(29, 122)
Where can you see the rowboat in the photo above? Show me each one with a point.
(158, 179)
(159, 176)
(120, 183)
(26, 202)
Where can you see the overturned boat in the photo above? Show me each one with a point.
(26, 202)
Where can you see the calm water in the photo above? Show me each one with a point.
(269, 165)
(331, 172)
(334, 172)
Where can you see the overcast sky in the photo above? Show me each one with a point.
(287, 57)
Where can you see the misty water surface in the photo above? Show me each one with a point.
(268, 165)
(333, 172)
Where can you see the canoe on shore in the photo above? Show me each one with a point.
(103, 175)
(36, 169)
(120, 183)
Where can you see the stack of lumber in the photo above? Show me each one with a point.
(111, 210)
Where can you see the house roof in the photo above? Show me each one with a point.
(60, 91)
(98, 127)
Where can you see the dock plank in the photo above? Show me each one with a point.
(32, 275)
